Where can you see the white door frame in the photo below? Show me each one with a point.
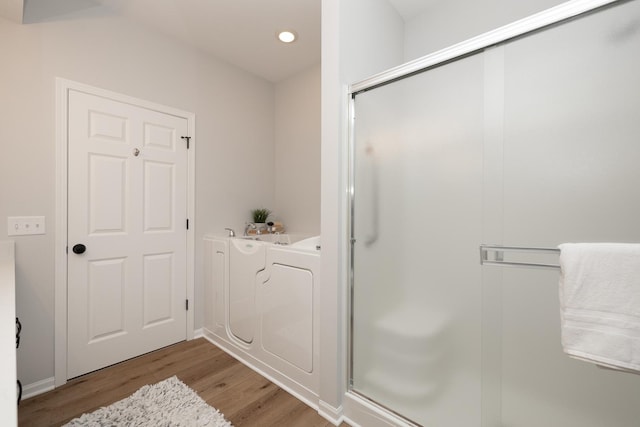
(62, 101)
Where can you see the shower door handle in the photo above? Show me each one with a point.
(372, 236)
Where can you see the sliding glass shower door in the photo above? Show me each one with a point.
(417, 213)
(530, 143)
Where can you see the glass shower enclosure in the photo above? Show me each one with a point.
(531, 142)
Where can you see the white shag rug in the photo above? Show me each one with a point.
(167, 403)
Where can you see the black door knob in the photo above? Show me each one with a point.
(79, 248)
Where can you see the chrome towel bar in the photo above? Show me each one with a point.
(499, 251)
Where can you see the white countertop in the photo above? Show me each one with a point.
(8, 392)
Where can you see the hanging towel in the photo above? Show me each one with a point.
(600, 303)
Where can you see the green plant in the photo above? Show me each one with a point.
(260, 215)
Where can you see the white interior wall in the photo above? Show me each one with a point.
(12, 9)
(234, 136)
(297, 152)
(371, 39)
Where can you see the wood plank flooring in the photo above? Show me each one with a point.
(243, 396)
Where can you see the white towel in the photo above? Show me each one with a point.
(600, 303)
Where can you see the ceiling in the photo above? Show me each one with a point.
(241, 32)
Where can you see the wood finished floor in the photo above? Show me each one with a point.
(243, 396)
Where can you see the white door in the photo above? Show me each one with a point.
(127, 204)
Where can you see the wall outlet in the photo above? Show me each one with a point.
(24, 225)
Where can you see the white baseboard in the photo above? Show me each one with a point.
(198, 333)
(329, 413)
(38, 387)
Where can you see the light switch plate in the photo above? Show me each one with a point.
(25, 225)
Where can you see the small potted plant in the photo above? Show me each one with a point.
(259, 217)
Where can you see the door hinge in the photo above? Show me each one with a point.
(187, 223)
(188, 139)
(186, 304)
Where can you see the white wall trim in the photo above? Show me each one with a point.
(62, 101)
(38, 387)
(191, 214)
(518, 28)
(329, 413)
(60, 308)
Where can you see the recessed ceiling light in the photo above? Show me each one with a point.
(287, 36)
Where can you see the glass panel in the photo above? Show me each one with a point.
(417, 224)
(533, 143)
(571, 174)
